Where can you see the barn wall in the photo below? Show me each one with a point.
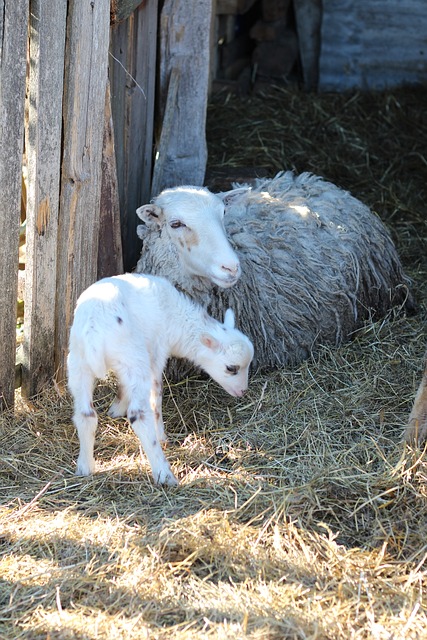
(373, 44)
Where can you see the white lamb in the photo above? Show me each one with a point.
(131, 324)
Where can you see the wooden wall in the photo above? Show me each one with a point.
(373, 44)
(66, 71)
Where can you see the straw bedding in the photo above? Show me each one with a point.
(300, 512)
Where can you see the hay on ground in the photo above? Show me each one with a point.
(300, 512)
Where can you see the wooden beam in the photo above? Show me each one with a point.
(308, 18)
(86, 60)
(43, 149)
(166, 133)
(185, 44)
(13, 60)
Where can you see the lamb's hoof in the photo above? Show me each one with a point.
(85, 468)
(416, 432)
(166, 478)
(116, 411)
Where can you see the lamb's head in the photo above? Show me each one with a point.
(227, 354)
(190, 220)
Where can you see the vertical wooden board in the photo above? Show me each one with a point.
(185, 44)
(308, 18)
(110, 257)
(373, 44)
(13, 47)
(43, 150)
(133, 76)
(86, 60)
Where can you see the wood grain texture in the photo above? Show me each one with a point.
(122, 9)
(13, 43)
(86, 58)
(43, 147)
(110, 255)
(373, 44)
(133, 78)
(185, 44)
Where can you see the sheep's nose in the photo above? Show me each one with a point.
(233, 269)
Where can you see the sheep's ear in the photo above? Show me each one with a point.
(229, 320)
(228, 197)
(152, 215)
(210, 342)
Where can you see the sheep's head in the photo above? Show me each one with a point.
(191, 220)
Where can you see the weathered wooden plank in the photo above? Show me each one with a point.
(13, 44)
(373, 44)
(110, 256)
(308, 18)
(86, 59)
(43, 150)
(122, 9)
(185, 44)
(133, 77)
(166, 133)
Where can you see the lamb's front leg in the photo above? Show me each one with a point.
(120, 405)
(142, 420)
(416, 431)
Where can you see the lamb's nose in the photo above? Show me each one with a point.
(233, 269)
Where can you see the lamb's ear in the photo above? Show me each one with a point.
(152, 215)
(229, 320)
(228, 197)
(210, 342)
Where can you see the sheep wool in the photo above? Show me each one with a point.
(316, 264)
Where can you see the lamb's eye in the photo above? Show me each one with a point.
(176, 224)
(233, 369)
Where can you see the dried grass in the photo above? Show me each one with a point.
(300, 514)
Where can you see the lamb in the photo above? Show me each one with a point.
(416, 430)
(316, 263)
(131, 324)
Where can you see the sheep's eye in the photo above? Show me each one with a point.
(233, 369)
(176, 224)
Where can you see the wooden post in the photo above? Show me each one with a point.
(308, 18)
(133, 77)
(13, 58)
(43, 150)
(166, 132)
(86, 59)
(185, 44)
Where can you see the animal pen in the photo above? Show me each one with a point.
(299, 513)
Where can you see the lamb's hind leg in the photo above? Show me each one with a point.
(142, 418)
(156, 395)
(81, 382)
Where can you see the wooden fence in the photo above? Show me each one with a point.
(77, 107)
(60, 83)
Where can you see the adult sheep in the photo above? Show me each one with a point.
(315, 262)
